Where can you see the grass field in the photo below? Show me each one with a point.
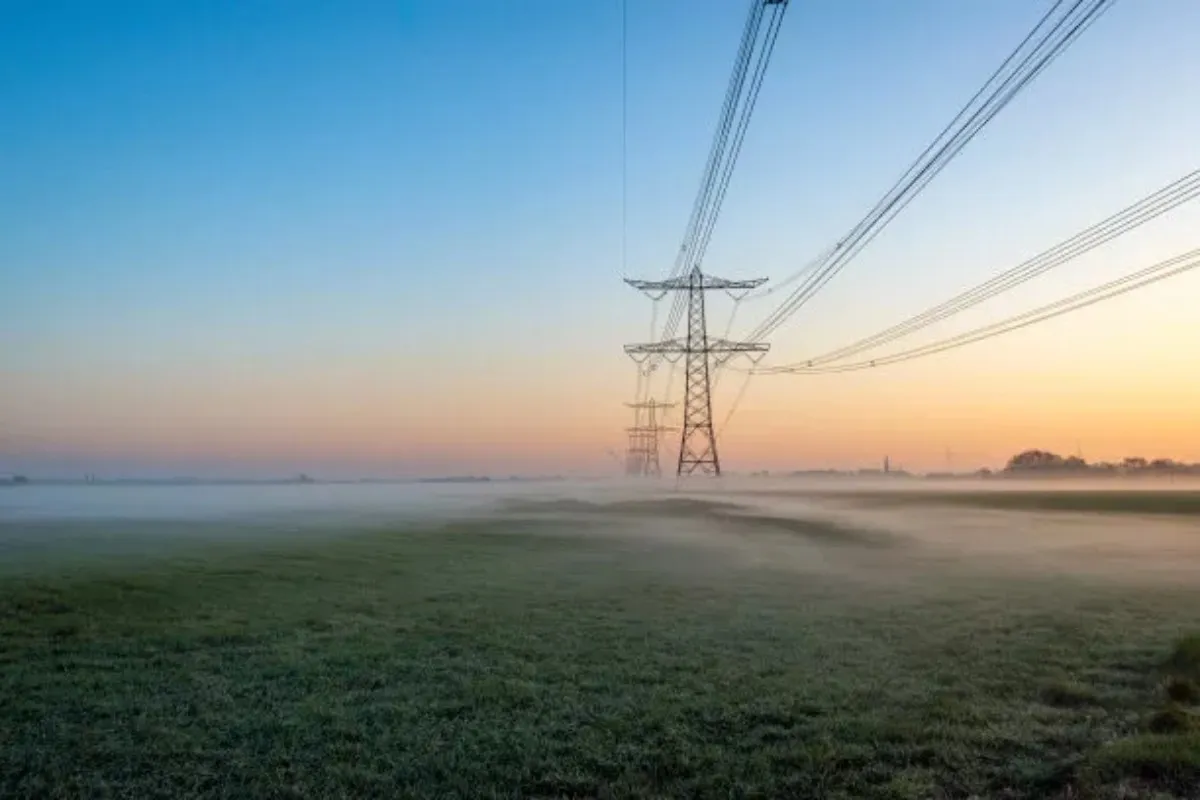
(645, 650)
(1110, 501)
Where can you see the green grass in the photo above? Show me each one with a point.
(539, 659)
(1107, 501)
(1164, 761)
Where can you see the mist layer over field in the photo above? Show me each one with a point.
(599, 639)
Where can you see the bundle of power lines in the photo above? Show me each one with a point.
(1171, 267)
(1148, 208)
(763, 22)
(754, 55)
(1064, 23)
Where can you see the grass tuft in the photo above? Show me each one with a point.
(1184, 660)
(1069, 694)
(1172, 719)
(1182, 690)
(1170, 761)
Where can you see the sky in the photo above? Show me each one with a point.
(386, 238)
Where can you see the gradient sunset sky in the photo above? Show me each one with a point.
(384, 238)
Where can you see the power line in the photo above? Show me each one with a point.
(756, 82)
(1107, 291)
(807, 269)
(717, 152)
(1048, 39)
(1051, 37)
(731, 127)
(733, 93)
(624, 137)
(1148, 208)
(743, 125)
(1047, 48)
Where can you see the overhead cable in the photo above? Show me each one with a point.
(1148, 208)
(1053, 34)
(1140, 279)
(757, 47)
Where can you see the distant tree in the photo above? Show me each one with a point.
(1044, 461)
(1134, 463)
(1034, 460)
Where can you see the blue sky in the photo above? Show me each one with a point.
(220, 217)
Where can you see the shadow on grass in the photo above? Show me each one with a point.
(819, 532)
(1069, 694)
(666, 506)
(733, 517)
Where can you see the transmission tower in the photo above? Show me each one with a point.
(698, 445)
(641, 457)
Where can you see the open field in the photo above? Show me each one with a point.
(563, 648)
(1107, 501)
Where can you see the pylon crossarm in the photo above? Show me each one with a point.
(668, 346)
(691, 280)
(731, 286)
(716, 345)
(657, 290)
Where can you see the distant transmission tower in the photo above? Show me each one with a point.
(641, 457)
(698, 445)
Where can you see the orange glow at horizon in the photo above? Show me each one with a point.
(1102, 382)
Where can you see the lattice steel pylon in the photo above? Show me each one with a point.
(641, 457)
(698, 444)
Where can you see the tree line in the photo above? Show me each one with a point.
(1043, 461)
